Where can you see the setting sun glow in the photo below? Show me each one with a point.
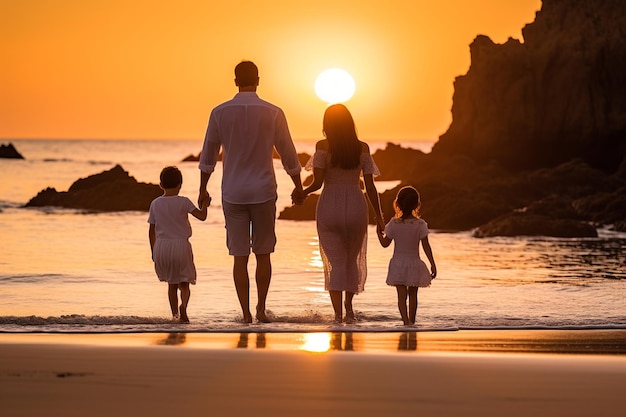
(334, 86)
(113, 70)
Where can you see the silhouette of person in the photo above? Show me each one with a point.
(248, 129)
(342, 212)
(169, 234)
(407, 272)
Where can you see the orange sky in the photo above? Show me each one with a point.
(153, 69)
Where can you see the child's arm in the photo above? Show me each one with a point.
(152, 236)
(201, 213)
(384, 240)
(429, 254)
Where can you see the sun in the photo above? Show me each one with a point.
(334, 85)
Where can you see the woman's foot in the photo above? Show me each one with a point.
(350, 317)
(261, 317)
(183, 314)
(349, 313)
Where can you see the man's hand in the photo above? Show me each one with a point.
(297, 196)
(204, 198)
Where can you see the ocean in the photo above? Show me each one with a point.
(69, 271)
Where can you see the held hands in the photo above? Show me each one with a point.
(204, 199)
(298, 196)
(205, 202)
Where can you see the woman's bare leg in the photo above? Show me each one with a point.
(335, 298)
(348, 305)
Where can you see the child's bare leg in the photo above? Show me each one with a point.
(402, 294)
(172, 295)
(413, 304)
(185, 294)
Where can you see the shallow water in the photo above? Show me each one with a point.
(64, 270)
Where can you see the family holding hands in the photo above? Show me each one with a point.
(247, 129)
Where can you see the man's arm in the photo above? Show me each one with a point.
(208, 159)
(203, 195)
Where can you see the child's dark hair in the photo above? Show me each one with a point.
(171, 177)
(407, 202)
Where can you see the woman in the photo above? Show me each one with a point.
(342, 212)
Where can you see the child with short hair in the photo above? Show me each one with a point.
(407, 272)
(169, 235)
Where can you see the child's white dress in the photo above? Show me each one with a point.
(406, 267)
(172, 254)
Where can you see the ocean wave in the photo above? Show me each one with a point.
(79, 323)
(27, 278)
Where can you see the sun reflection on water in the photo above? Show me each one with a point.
(316, 342)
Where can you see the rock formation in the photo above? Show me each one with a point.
(9, 151)
(561, 94)
(537, 144)
(112, 190)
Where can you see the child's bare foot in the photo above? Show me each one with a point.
(183, 315)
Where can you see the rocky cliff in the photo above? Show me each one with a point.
(537, 144)
(558, 95)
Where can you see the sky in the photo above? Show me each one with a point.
(154, 69)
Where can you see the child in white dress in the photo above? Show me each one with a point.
(407, 272)
(169, 235)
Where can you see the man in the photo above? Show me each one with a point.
(248, 130)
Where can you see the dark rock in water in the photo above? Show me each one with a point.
(9, 152)
(396, 162)
(112, 190)
(302, 157)
(305, 211)
(523, 224)
(559, 95)
(554, 216)
(604, 208)
(191, 158)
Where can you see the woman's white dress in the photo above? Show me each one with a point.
(342, 219)
(406, 267)
(172, 253)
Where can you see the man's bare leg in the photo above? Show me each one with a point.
(242, 285)
(263, 279)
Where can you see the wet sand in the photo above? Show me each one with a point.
(460, 373)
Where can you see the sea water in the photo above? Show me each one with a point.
(70, 271)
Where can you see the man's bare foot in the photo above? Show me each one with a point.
(247, 318)
(183, 315)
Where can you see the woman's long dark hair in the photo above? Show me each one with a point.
(343, 143)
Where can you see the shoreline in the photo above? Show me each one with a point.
(529, 341)
(461, 373)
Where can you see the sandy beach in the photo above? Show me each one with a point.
(461, 373)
